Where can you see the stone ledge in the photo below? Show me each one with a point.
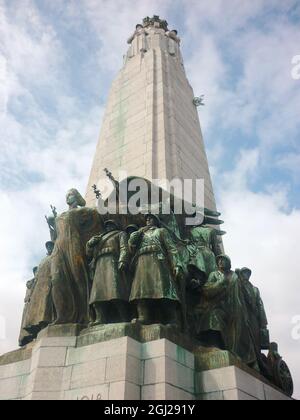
(103, 333)
(16, 356)
(140, 333)
(130, 352)
(127, 369)
(212, 358)
(65, 330)
(53, 331)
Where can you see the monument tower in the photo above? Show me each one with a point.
(151, 125)
(143, 306)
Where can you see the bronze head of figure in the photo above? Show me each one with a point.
(130, 229)
(110, 226)
(152, 220)
(49, 248)
(224, 263)
(245, 274)
(74, 199)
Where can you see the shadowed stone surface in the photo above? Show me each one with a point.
(141, 333)
(210, 358)
(67, 330)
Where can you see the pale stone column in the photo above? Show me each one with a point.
(151, 126)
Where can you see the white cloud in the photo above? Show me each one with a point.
(4, 87)
(291, 162)
(32, 49)
(225, 18)
(112, 22)
(22, 225)
(246, 75)
(206, 70)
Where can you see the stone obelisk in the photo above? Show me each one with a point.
(151, 126)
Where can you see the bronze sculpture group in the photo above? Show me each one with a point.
(98, 272)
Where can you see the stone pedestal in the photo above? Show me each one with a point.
(77, 367)
(232, 383)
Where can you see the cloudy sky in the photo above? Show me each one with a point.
(57, 61)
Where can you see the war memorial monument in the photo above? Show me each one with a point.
(136, 300)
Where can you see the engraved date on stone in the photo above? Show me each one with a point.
(93, 397)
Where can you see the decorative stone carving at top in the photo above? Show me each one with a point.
(156, 22)
(152, 33)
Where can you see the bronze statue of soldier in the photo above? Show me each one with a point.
(224, 320)
(203, 246)
(204, 250)
(110, 284)
(256, 311)
(40, 313)
(214, 312)
(157, 267)
(130, 229)
(26, 337)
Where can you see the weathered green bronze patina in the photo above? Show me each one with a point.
(204, 249)
(110, 260)
(156, 272)
(40, 313)
(69, 266)
(231, 314)
(214, 310)
(257, 318)
(112, 276)
(25, 337)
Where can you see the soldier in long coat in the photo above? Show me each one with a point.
(214, 311)
(224, 322)
(157, 267)
(26, 337)
(257, 317)
(110, 259)
(40, 313)
(204, 250)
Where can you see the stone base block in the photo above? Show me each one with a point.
(232, 383)
(210, 358)
(70, 364)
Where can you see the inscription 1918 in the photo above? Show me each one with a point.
(92, 397)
